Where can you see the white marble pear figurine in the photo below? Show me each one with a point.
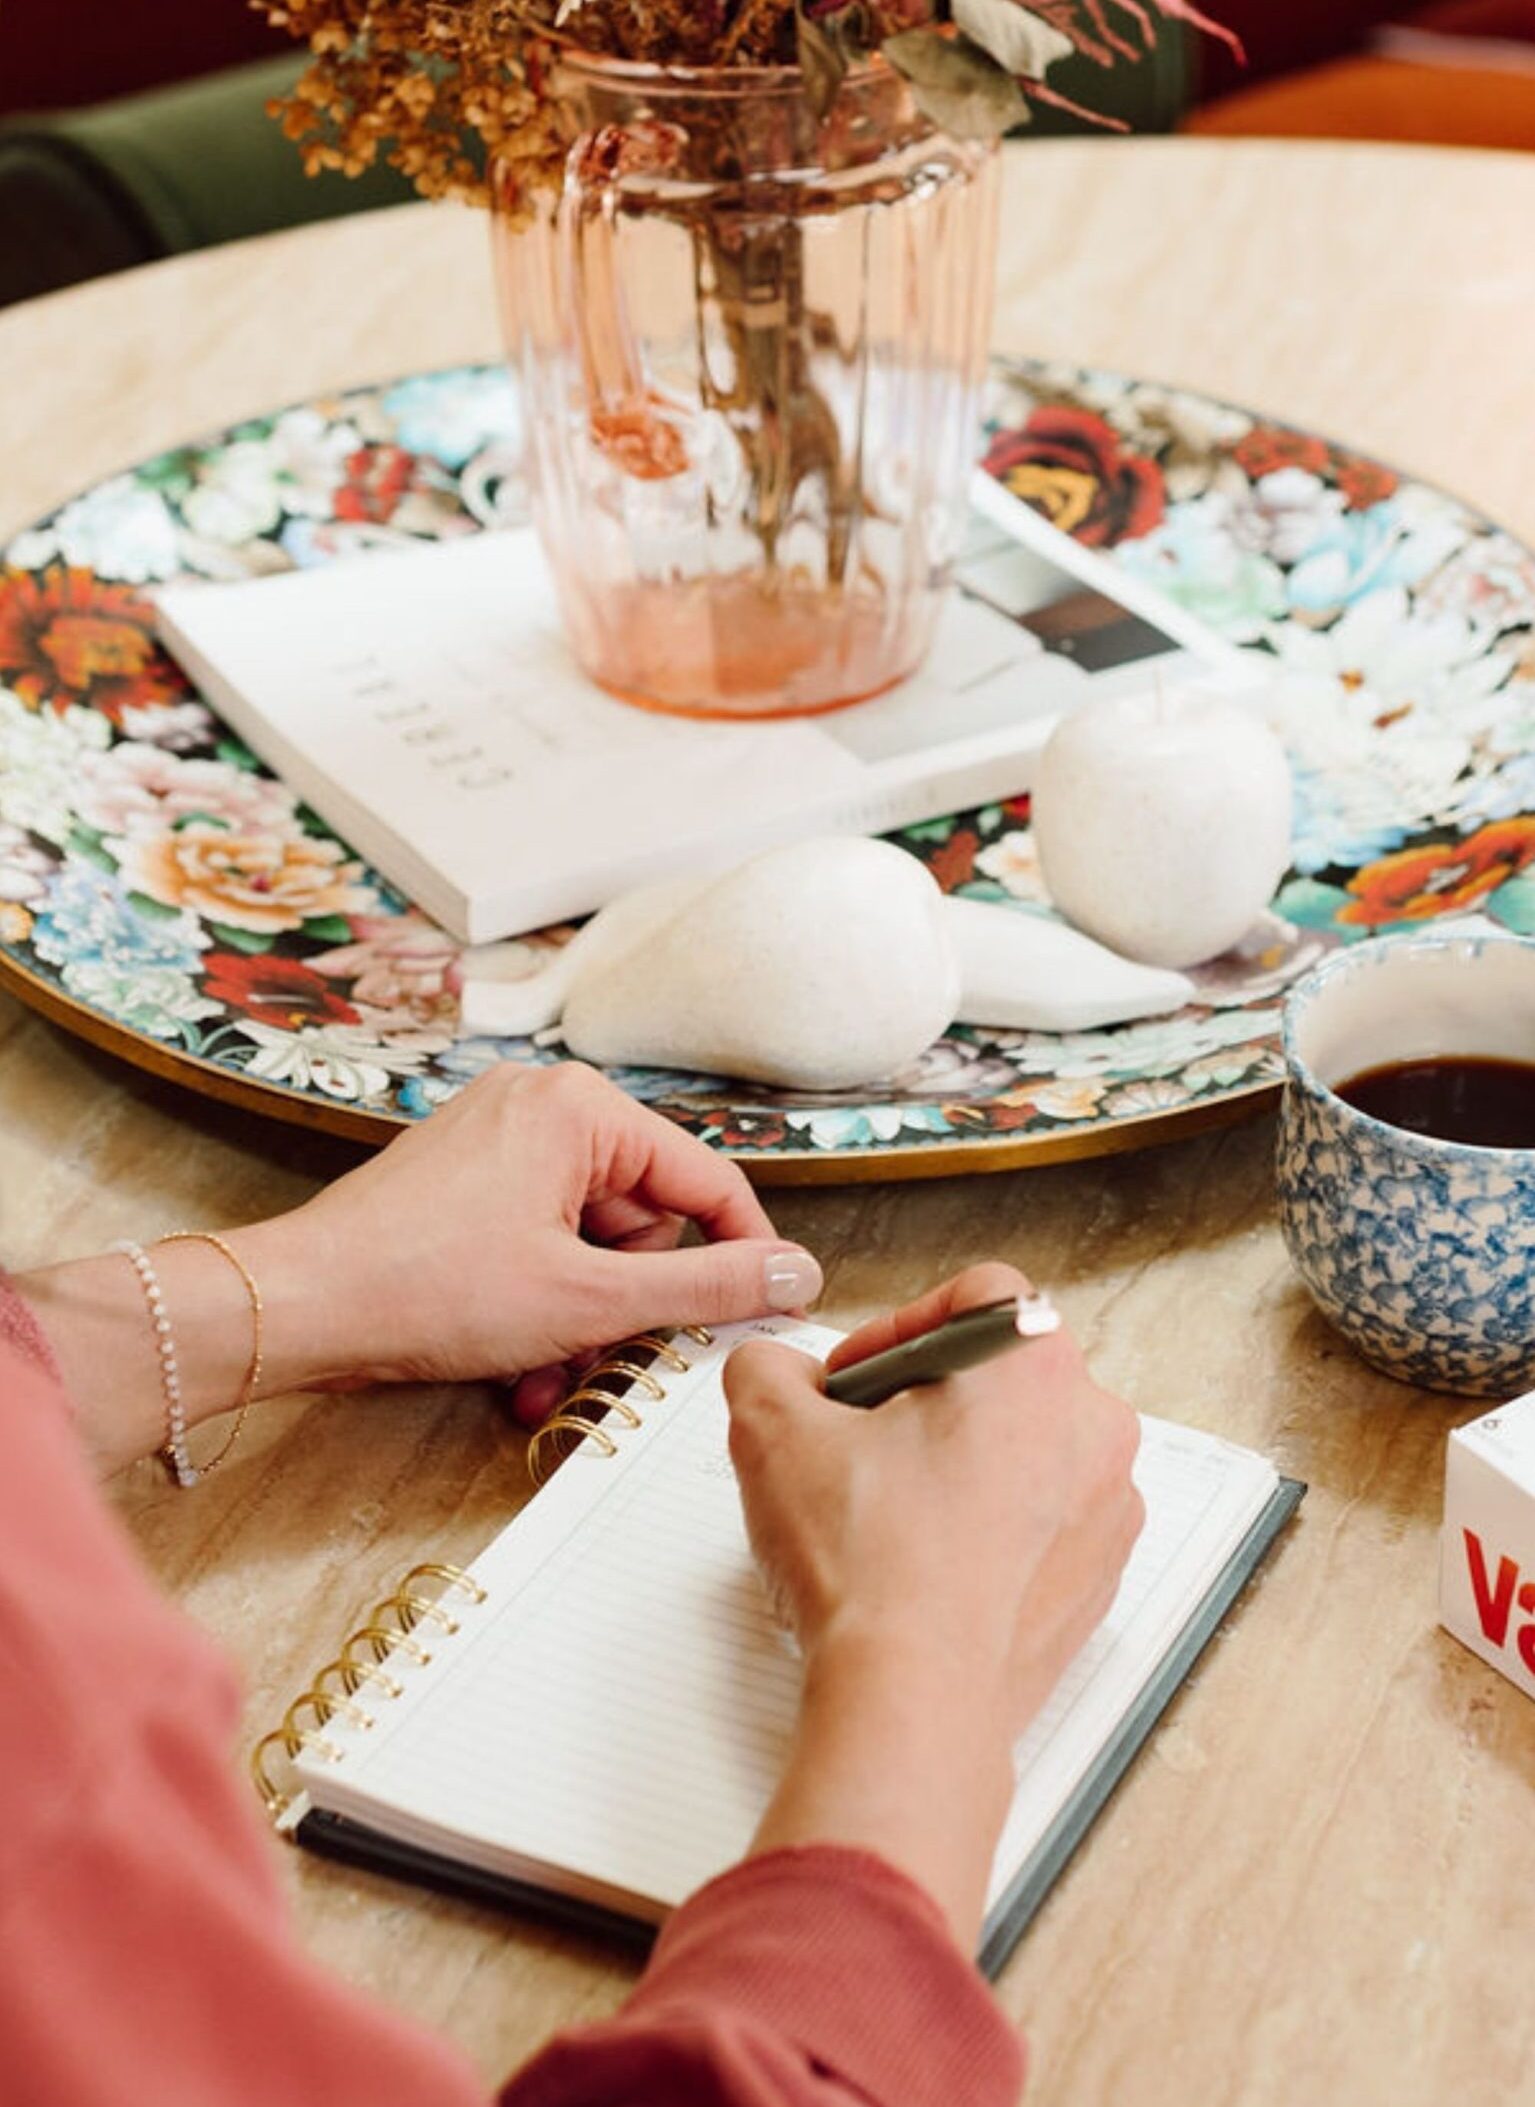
(819, 966)
(1163, 822)
(825, 965)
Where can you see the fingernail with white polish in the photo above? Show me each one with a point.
(793, 1280)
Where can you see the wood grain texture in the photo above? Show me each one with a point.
(1319, 1883)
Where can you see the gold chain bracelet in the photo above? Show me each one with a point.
(247, 1393)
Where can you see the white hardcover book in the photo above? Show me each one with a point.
(425, 704)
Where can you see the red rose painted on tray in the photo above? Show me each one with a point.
(1072, 467)
(277, 991)
(154, 874)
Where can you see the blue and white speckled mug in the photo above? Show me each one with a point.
(1421, 1251)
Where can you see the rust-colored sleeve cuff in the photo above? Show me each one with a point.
(812, 1977)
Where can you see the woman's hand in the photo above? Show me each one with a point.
(942, 1559)
(531, 1221)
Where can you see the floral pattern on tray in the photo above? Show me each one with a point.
(153, 873)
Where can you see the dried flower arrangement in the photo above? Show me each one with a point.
(423, 80)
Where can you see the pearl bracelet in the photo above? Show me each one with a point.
(175, 1451)
(177, 1456)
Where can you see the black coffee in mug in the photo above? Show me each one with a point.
(1482, 1102)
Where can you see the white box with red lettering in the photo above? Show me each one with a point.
(1487, 1547)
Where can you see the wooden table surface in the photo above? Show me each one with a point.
(1318, 1886)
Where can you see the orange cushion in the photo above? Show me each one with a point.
(1381, 98)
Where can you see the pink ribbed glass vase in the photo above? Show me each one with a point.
(751, 347)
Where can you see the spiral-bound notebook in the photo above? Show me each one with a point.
(591, 1718)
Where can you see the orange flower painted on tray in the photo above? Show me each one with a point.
(377, 477)
(1269, 447)
(1414, 885)
(1069, 465)
(1363, 483)
(953, 864)
(1003, 1113)
(265, 883)
(67, 636)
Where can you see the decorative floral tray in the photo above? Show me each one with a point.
(163, 895)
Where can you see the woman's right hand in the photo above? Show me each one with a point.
(941, 1559)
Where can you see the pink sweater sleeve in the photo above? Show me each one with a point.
(145, 1952)
(144, 1948)
(810, 1978)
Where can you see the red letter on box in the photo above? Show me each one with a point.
(1493, 1605)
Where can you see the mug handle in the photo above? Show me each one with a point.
(626, 417)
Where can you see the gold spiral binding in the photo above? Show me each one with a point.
(632, 1372)
(610, 1401)
(418, 1609)
(351, 1674)
(567, 1428)
(454, 1576)
(663, 1350)
(291, 1739)
(273, 1798)
(325, 1705)
(385, 1639)
(386, 1630)
(566, 1431)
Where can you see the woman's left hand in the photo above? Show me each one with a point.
(533, 1220)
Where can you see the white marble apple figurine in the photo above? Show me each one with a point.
(1162, 822)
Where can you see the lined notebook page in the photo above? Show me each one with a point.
(617, 1712)
(612, 1719)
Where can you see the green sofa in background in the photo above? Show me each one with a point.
(88, 191)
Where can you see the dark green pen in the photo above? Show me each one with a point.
(963, 1342)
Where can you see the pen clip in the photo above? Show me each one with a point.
(1037, 1315)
